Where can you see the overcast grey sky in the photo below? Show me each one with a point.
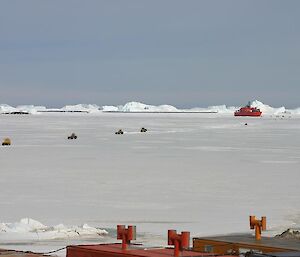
(185, 53)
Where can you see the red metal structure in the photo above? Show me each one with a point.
(258, 225)
(115, 250)
(248, 111)
(180, 241)
(126, 234)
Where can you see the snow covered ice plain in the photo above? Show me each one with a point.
(205, 173)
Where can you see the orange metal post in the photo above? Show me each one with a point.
(185, 239)
(258, 225)
(126, 234)
(180, 241)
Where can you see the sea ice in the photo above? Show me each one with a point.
(204, 173)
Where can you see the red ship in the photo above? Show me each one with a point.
(248, 111)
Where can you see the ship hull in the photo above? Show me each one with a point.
(250, 114)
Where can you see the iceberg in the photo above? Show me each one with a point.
(110, 108)
(266, 109)
(5, 108)
(89, 108)
(141, 107)
(31, 108)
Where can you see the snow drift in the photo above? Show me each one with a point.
(31, 229)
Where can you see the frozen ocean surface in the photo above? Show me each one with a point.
(205, 173)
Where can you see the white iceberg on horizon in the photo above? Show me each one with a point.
(110, 108)
(90, 108)
(266, 109)
(32, 109)
(5, 108)
(141, 107)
